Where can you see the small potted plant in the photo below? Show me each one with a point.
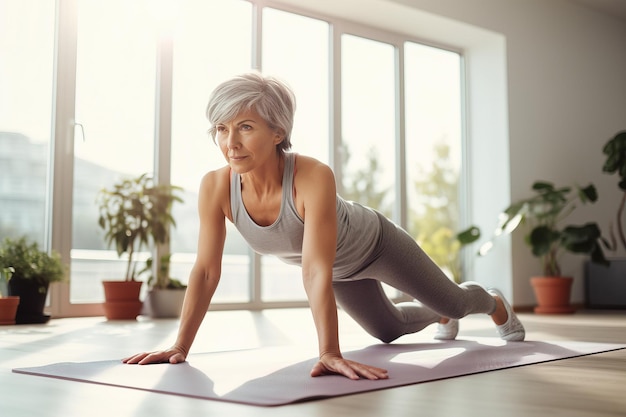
(166, 295)
(543, 214)
(135, 214)
(606, 284)
(8, 303)
(32, 271)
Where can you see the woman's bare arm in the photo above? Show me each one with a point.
(205, 274)
(315, 188)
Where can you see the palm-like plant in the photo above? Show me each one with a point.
(543, 214)
(615, 151)
(135, 213)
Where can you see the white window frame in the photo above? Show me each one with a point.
(485, 127)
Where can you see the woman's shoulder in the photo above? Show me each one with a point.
(216, 180)
(311, 174)
(307, 164)
(217, 174)
(215, 191)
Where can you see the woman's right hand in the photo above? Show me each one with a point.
(172, 355)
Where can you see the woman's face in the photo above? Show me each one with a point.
(247, 141)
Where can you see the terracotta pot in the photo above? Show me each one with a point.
(553, 294)
(8, 309)
(122, 299)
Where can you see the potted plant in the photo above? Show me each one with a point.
(605, 285)
(135, 214)
(32, 272)
(166, 295)
(8, 304)
(543, 214)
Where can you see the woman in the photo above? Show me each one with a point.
(286, 205)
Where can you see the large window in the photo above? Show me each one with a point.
(296, 49)
(26, 66)
(114, 138)
(139, 75)
(211, 42)
(368, 140)
(433, 152)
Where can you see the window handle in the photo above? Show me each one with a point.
(82, 130)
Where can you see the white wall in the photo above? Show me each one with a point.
(565, 85)
(567, 97)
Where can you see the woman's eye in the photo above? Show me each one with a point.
(246, 127)
(220, 129)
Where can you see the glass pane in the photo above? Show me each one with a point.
(368, 114)
(368, 122)
(115, 93)
(433, 151)
(280, 281)
(295, 49)
(212, 42)
(26, 59)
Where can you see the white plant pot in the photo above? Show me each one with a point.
(165, 303)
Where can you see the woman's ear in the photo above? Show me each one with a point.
(279, 136)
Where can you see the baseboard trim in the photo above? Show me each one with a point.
(531, 308)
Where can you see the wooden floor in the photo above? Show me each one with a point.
(585, 386)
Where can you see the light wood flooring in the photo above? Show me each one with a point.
(585, 386)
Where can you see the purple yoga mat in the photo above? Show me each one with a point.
(280, 375)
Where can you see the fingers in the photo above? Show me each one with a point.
(135, 358)
(146, 358)
(369, 372)
(349, 369)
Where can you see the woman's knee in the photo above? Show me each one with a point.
(385, 335)
(386, 338)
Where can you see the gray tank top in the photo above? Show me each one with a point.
(358, 228)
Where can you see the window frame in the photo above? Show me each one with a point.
(61, 183)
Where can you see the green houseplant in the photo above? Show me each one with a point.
(135, 213)
(615, 163)
(543, 215)
(605, 284)
(6, 272)
(33, 270)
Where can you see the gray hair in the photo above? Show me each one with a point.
(271, 98)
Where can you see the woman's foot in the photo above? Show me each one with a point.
(507, 324)
(447, 329)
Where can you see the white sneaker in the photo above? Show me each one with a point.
(513, 329)
(447, 331)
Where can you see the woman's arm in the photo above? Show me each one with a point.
(205, 273)
(315, 187)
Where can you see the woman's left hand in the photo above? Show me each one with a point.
(333, 364)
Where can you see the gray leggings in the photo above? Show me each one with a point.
(399, 262)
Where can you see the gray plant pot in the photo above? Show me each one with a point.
(165, 303)
(605, 286)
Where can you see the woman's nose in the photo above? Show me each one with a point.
(232, 141)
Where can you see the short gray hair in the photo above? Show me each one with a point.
(271, 98)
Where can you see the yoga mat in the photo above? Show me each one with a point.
(280, 375)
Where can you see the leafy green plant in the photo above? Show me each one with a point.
(24, 260)
(543, 214)
(5, 275)
(136, 213)
(162, 280)
(444, 247)
(615, 163)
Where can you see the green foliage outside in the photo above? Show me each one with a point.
(362, 186)
(435, 223)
